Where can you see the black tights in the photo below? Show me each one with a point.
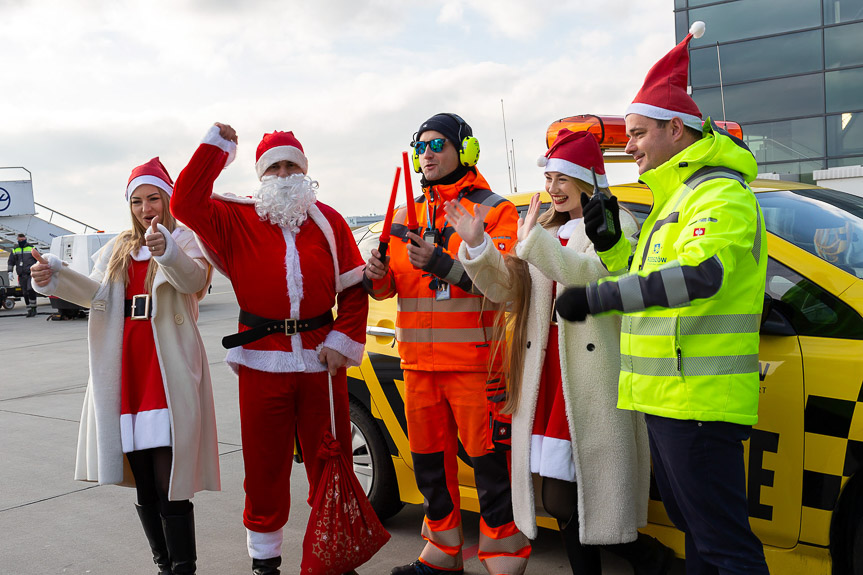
(152, 471)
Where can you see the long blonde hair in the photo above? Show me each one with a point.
(512, 320)
(130, 240)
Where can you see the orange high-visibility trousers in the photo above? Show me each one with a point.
(441, 408)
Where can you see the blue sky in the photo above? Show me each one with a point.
(92, 89)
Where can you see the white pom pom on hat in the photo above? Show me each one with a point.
(542, 161)
(697, 29)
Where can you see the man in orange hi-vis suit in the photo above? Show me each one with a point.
(445, 332)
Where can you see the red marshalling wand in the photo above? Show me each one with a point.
(409, 191)
(388, 221)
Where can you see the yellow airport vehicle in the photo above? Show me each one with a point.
(805, 455)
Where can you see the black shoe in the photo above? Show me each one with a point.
(420, 568)
(266, 566)
(31, 312)
(180, 537)
(151, 521)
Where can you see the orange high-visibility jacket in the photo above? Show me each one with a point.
(454, 334)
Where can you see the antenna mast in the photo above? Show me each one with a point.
(509, 167)
(514, 175)
(721, 89)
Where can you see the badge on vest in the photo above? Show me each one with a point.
(442, 291)
(697, 232)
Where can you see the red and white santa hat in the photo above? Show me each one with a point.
(663, 95)
(574, 154)
(153, 173)
(279, 146)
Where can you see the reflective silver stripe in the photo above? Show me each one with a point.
(630, 293)
(444, 335)
(649, 325)
(656, 366)
(504, 546)
(432, 555)
(756, 244)
(718, 324)
(675, 285)
(742, 323)
(692, 366)
(452, 305)
(456, 273)
(448, 538)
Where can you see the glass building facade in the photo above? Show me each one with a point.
(789, 71)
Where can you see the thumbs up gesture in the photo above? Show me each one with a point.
(154, 239)
(40, 272)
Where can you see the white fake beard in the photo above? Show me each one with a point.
(285, 202)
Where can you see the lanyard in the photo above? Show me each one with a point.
(431, 218)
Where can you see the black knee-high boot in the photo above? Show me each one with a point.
(583, 559)
(180, 537)
(151, 521)
(646, 555)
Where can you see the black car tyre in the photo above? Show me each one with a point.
(373, 464)
(846, 529)
(8, 303)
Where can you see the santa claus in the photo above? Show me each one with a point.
(290, 259)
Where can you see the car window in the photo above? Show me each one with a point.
(810, 309)
(826, 223)
(368, 241)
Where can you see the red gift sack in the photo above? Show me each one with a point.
(344, 531)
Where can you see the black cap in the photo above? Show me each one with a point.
(451, 126)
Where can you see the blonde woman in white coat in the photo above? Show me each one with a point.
(562, 380)
(149, 400)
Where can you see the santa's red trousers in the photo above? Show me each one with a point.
(273, 407)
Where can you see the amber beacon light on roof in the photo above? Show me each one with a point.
(610, 132)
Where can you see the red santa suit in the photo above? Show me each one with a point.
(278, 273)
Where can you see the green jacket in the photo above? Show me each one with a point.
(693, 296)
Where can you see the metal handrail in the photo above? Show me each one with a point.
(53, 211)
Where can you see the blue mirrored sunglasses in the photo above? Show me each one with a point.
(436, 146)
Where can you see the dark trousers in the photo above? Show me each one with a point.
(27, 289)
(700, 473)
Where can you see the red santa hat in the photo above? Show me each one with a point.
(574, 154)
(663, 95)
(279, 146)
(153, 173)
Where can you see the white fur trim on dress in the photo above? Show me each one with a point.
(294, 279)
(658, 113)
(151, 180)
(264, 545)
(278, 154)
(145, 430)
(353, 350)
(552, 457)
(51, 287)
(213, 138)
(273, 361)
(574, 170)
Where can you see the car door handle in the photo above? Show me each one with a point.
(378, 331)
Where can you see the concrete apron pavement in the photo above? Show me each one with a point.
(50, 523)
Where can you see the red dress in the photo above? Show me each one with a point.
(551, 446)
(145, 421)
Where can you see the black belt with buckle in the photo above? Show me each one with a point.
(138, 307)
(261, 327)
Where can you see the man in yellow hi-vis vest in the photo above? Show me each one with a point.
(691, 306)
(21, 260)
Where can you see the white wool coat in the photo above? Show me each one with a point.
(609, 446)
(180, 281)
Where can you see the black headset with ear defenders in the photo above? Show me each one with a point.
(468, 146)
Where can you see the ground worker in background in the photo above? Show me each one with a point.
(445, 332)
(21, 260)
(692, 303)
